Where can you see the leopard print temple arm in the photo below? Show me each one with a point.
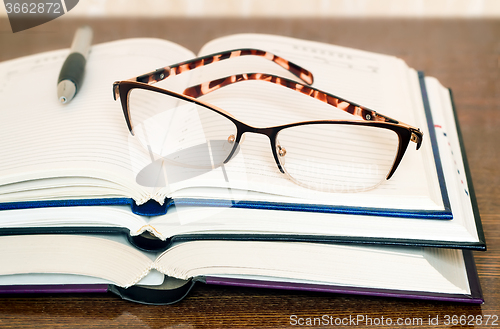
(168, 71)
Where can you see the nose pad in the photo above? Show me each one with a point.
(228, 145)
(281, 151)
(232, 147)
(231, 139)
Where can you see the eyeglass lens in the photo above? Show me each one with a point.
(337, 157)
(181, 132)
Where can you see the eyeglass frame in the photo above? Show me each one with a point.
(121, 89)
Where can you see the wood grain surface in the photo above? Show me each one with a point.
(463, 54)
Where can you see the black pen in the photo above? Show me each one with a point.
(71, 75)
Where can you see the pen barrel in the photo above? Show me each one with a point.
(82, 40)
(73, 69)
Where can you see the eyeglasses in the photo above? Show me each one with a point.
(324, 155)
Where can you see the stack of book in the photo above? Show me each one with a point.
(86, 207)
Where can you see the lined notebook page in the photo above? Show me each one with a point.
(87, 138)
(376, 81)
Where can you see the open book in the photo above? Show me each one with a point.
(44, 262)
(82, 154)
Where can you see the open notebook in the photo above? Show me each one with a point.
(83, 151)
(82, 154)
(54, 263)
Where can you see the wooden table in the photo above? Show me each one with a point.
(463, 54)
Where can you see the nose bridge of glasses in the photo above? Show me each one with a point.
(269, 132)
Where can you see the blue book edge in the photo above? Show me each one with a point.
(153, 208)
